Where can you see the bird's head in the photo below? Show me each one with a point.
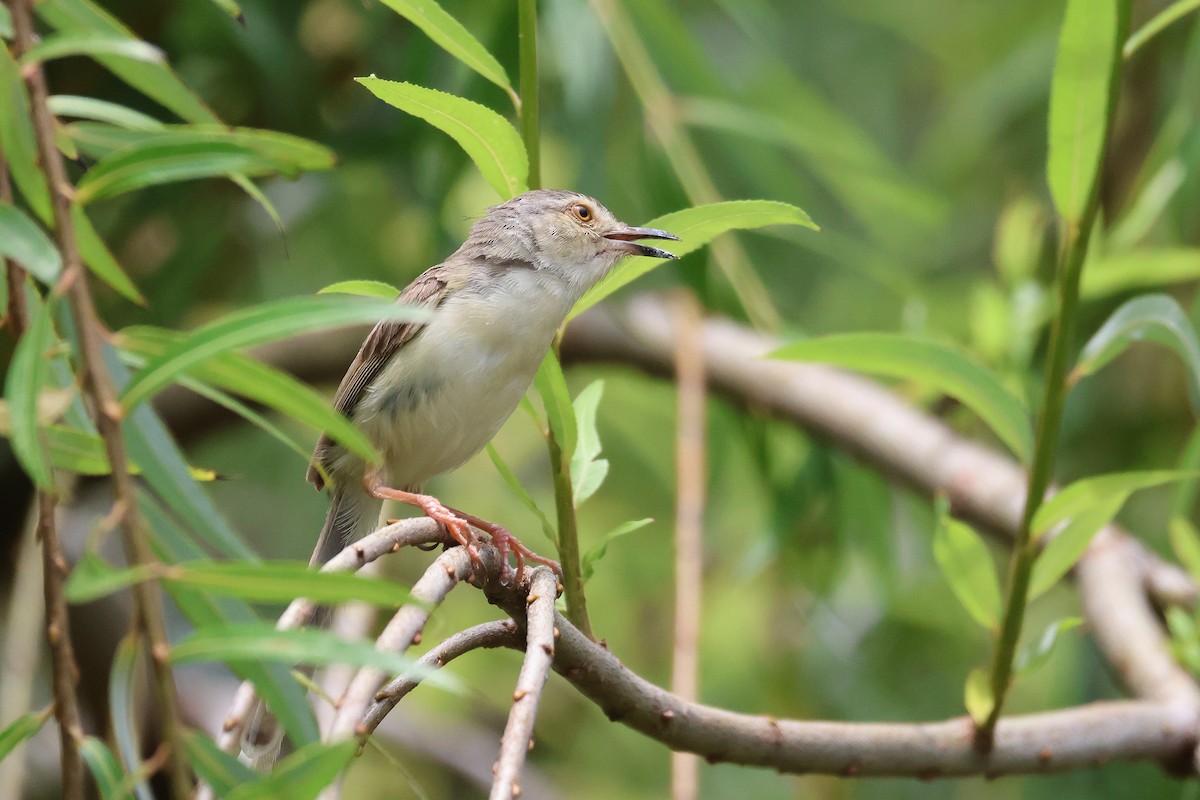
(564, 232)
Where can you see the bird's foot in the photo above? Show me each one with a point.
(505, 542)
(458, 526)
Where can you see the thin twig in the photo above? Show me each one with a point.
(485, 635)
(539, 654)
(690, 467)
(97, 387)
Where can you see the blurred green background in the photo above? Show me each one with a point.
(912, 132)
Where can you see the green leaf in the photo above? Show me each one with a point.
(551, 385)
(384, 291)
(92, 44)
(488, 138)
(259, 382)
(519, 491)
(451, 36)
(156, 81)
(285, 153)
(1157, 23)
(284, 581)
(1080, 98)
(302, 775)
(1139, 269)
(1038, 653)
(27, 376)
(967, 566)
(587, 469)
(17, 138)
(93, 578)
(105, 769)
(256, 325)
(696, 227)
(214, 766)
(1185, 541)
(121, 706)
(231, 8)
(99, 259)
(66, 105)
(260, 641)
(21, 729)
(930, 364)
(1086, 506)
(1152, 318)
(598, 551)
(23, 241)
(1183, 638)
(977, 696)
(6, 28)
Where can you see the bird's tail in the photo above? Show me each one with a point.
(352, 514)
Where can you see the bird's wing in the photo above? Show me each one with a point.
(383, 342)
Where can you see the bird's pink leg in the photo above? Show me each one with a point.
(505, 542)
(455, 524)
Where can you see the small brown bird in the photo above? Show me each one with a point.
(432, 395)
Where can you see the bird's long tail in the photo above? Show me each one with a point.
(352, 514)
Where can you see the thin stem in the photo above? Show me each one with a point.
(568, 539)
(527, 24)
(98, 389)
(1076, 234)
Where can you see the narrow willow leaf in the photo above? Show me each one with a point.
(451, 36)
(156, 81)
(1158, 23)
(978, 697)
(6, 28)
(21, 729)
(968, 568)
(1185, 541)
(1140, 269)
(302, 775)
(384, 291)
(52, 404)
(99, 259)
(284, 581)
(231, 8)
(931, 364)
(1152, 318)
(23, 387)
(92, 44)
(519, 491)
(1080, 98)
(287, 154)
(488, 138)
(551, 385)
(17, 138)
(256, 325)
(121, 705)
(600, 549)
(260, 641)
(23, 241)
(93, 578)
(259, 382)
(1038, 653)
(1086, 506)
(66, 105)
(105, 769)
(696, 227)
(587, 469)
(220, 770)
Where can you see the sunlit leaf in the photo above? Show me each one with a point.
(968, 568)
(556, 398)
(930, 364)
(451, 36)
(1139, 269)
(696, 227)
(1038, 653)
(520, 492)
(488, 138)
(258, 324)
(1080, 97)
(106, 770)
(384, 291)
(21, 729)
(302, 775)
(17, 138)
(65, 105)
(978, 697)
(220, 770)
(600, 549)
(587, 469)
(1152, 318)
(23, 387)
(92, 44)
(23, 241)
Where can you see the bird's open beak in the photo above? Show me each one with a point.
(629, 236)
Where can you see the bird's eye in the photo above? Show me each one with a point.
(582, 212)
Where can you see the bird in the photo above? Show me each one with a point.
(430, 395)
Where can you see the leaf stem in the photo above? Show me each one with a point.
(1072, 254)
(527, 35)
